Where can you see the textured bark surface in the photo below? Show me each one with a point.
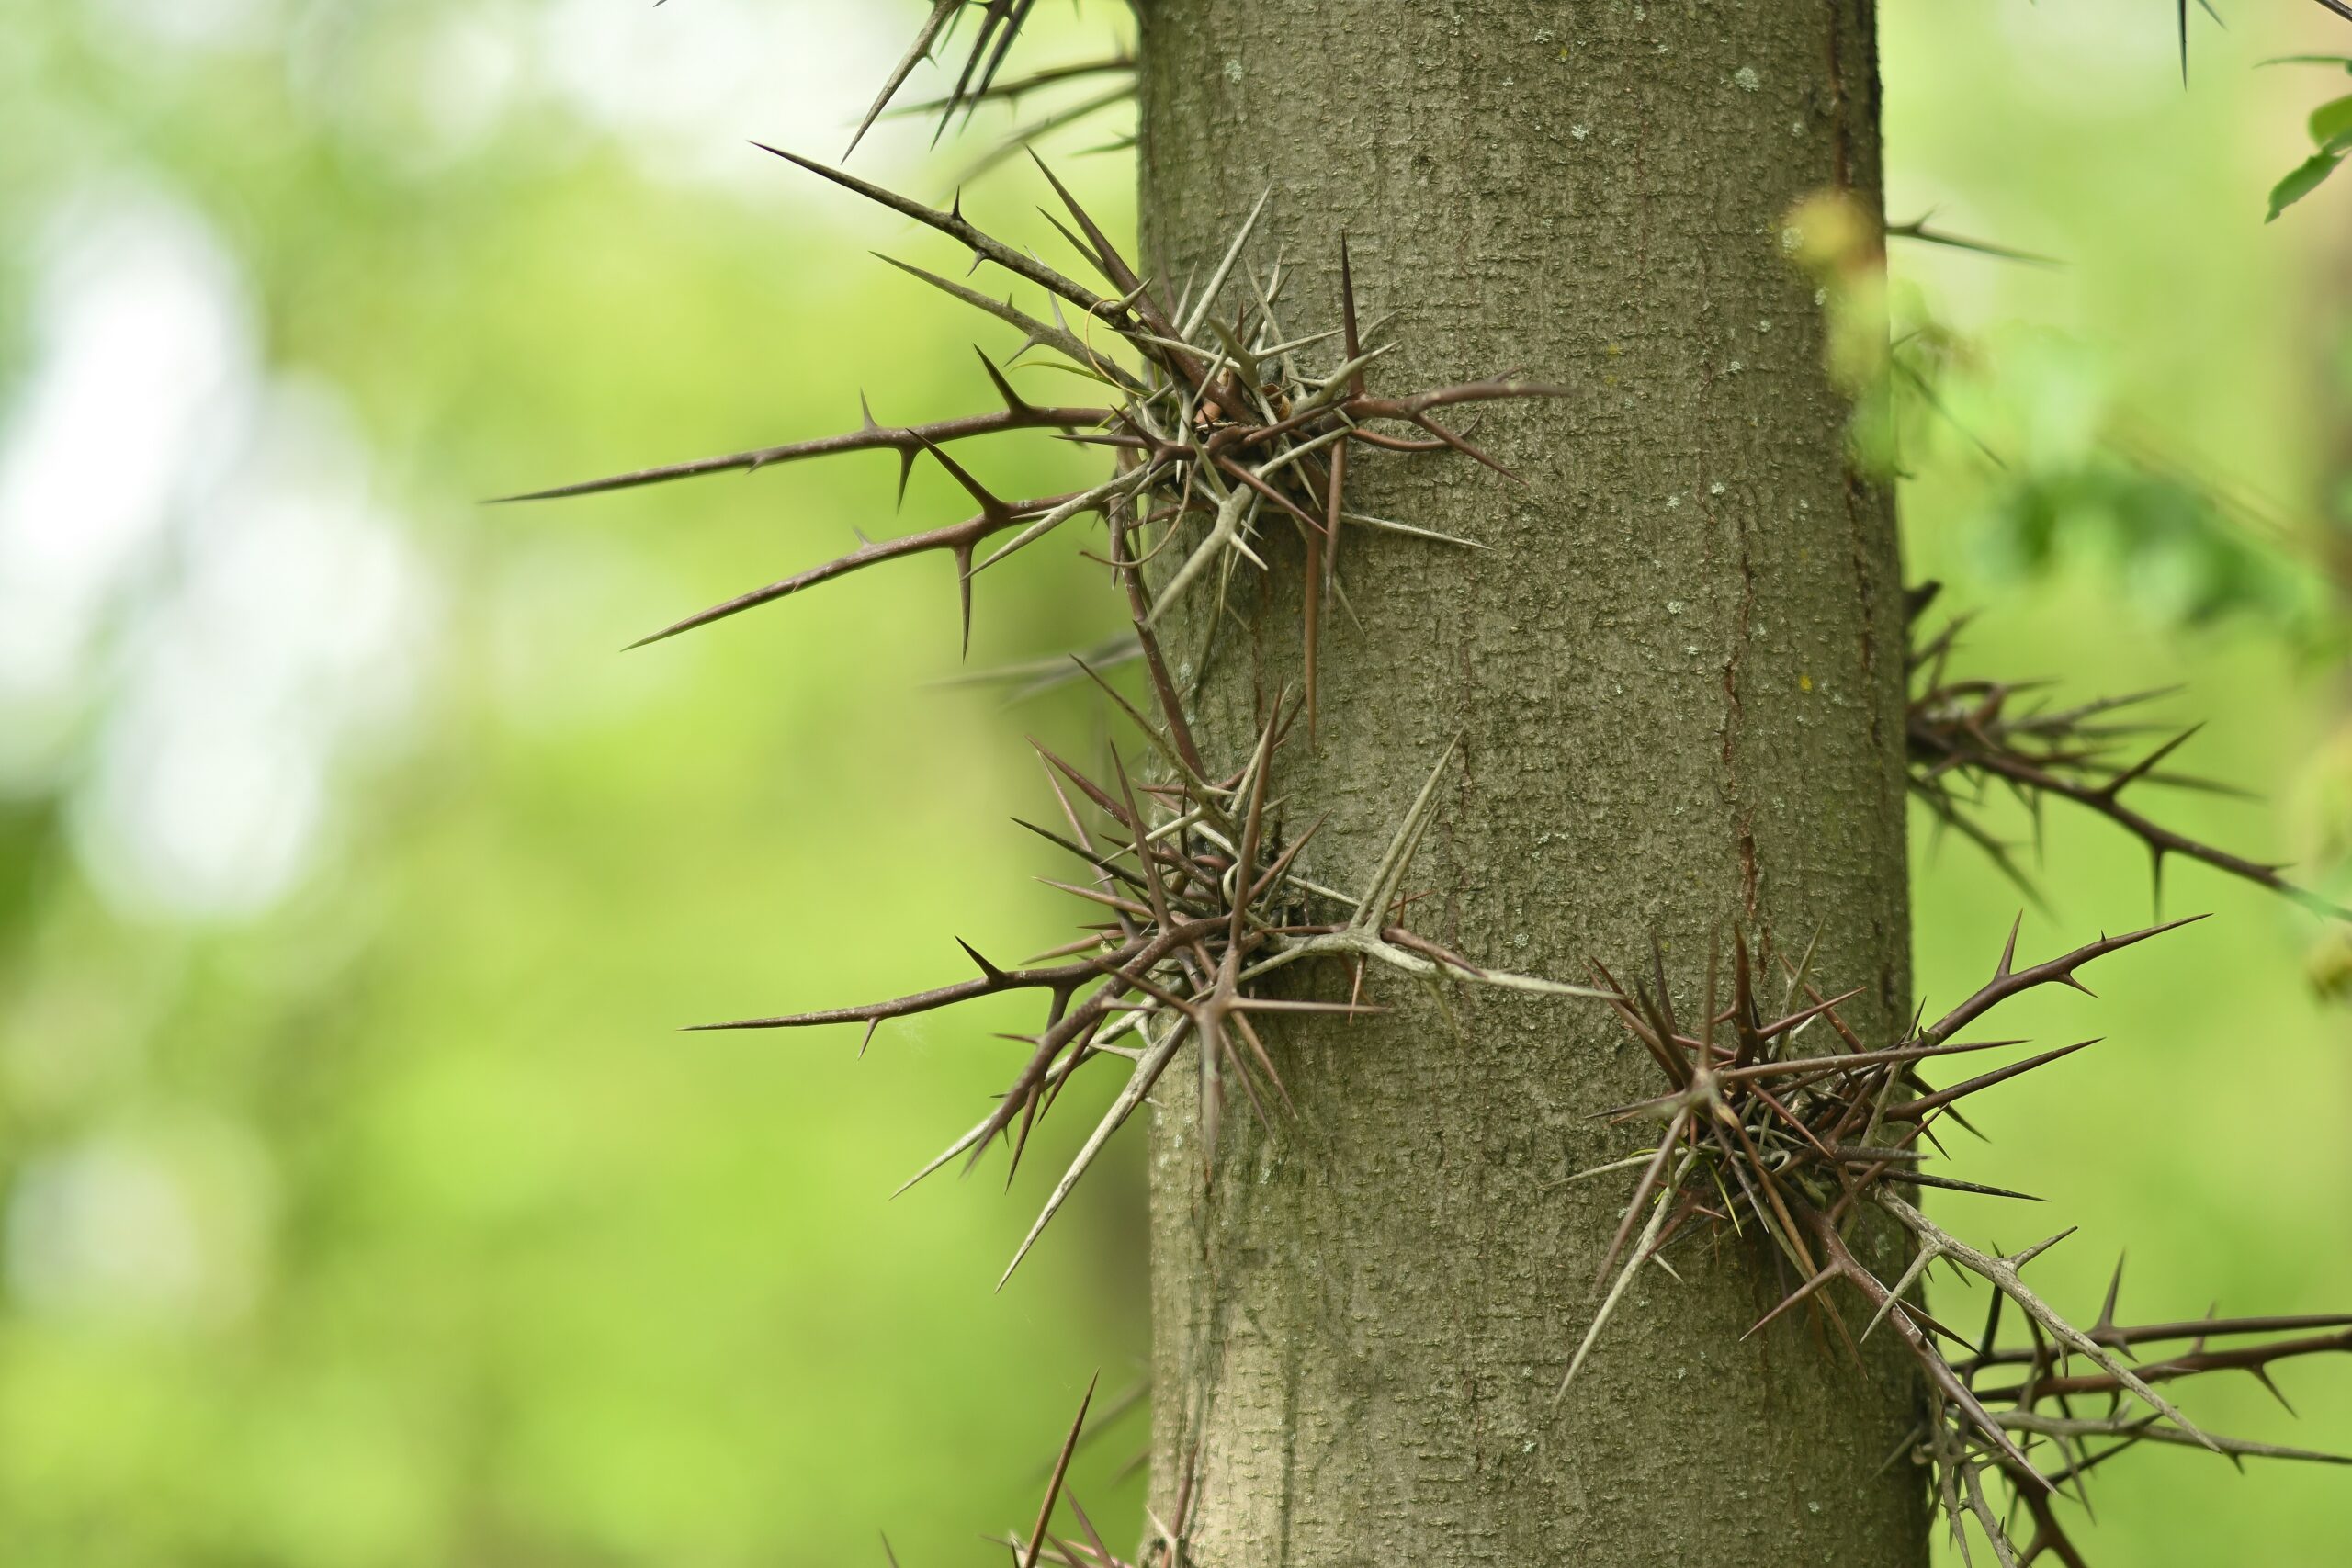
(1677, 678)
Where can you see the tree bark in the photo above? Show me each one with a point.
(1676, 673)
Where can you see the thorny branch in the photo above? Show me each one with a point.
(1756, 1130)
(1968, 735)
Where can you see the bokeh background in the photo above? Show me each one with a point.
(359, 1206)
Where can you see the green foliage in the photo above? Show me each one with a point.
(2330, 134)
(2308, 175)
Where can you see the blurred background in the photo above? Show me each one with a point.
(359, 1204)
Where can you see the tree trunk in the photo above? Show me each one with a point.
(1676, 677)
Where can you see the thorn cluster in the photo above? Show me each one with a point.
(1965, 735)
(1218, 429)
(1201, 897)
(1755, 1131)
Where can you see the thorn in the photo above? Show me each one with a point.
(2263, 1375)
(963, 554)
(1801, 1293)
(2114, 787)
(2031, 1253)
(995, 976)
(991, 505)
(1014, 401)
(942, 12)
(1061, 1471)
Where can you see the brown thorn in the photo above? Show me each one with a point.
(1062, 1470)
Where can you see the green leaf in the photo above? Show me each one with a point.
(2305, 178)
(2330, 121)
